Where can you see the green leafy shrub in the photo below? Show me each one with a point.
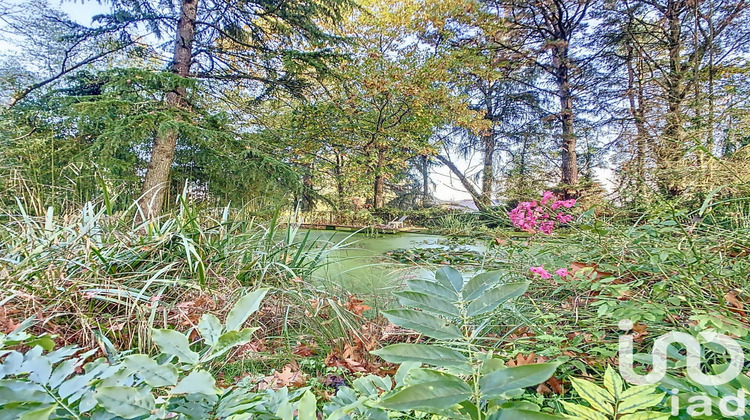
(65, 384)
(461, 380)
(615, 401)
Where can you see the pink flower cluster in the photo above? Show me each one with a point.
(532, 215)
(564, 203)
(562, 272)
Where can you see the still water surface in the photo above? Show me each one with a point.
(363, 268)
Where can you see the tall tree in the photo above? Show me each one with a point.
(678, 52)
(467, 37)
(382, 105)
(155, 182)
(550, 36)
(255, 47)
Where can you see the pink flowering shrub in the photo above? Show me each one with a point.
(562, 272)
(541, 271)
(533, 216)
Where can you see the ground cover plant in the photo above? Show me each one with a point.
(570, 292)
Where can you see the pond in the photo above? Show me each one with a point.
(367, 267)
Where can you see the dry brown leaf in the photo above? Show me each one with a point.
(522, 360)
(543, 389)
(356, 306)
(596, 274)
(556, 385)
(639, 332)
(303, 350)
(735, 304)
(290, 377)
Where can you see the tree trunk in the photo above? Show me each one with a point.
(488, 169)
(670, 149)
(425, 180)
(476, 196)
(635, 99)
(339, 175)
(569, 164)
(379, 191)
(307, 200)
(156, 180)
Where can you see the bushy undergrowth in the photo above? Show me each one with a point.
(463, 380)
(93, 278)
(669, 265)
(93, 270)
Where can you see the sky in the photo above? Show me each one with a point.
(447, 186)
(79, 11)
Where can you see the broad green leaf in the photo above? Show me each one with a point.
(479, 283)
(435, 390)
(599, 398)
(210, 328)
(468, 409)
(429, 354)
(39, 368)
(449, 277)
(229, 340)
(62, 371)
(639, 398)
(513, 405)
(14, 390)
(613, 382)
(429, 303)
(12, 363)
(638, 390)
(432, 288)
(152, 373)
(422, 375)
(372, 384)
(19, 334)
(429, 325)
(492, 364)
(580, 412)
(646, 415)
(45, 342)
(197, 382)
(500, 381)
(41, 413)
(246, 306)
(125, 401)
(307, 408)
(174, 343)
(116, 375)
(403, 371)
(495, 297)
(88, 401)
(73, 388)
(62, 353)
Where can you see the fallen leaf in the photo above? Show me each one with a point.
(290, 376)
(595, 273)
(735, 304)
(303, 350)
(356, 306)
